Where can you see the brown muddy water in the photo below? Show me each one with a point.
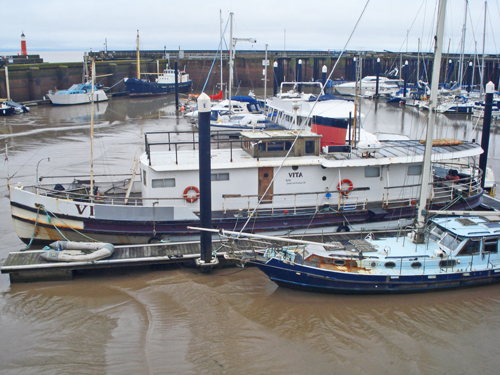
(232, 321)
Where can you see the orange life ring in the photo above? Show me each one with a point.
(191, 198)
(341, 183)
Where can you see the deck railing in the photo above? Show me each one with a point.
(441, 189)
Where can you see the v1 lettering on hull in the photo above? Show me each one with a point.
(82, 207)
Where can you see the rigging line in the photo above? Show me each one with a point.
(24, 165)
(215, 58)
(109, 88)
(303, 124)
(411, 26)
(493, 34)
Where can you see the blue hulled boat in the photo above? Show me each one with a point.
(457, 252)
(164, 84)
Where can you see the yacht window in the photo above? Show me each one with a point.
(144, 177)
(415, 170)
(310, 147)
(471, 247)
(436, 234)
(491, 245)
(163, 182)
(450, 242)
(372, 171)
(220, 176)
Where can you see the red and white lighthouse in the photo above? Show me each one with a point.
(24, 50)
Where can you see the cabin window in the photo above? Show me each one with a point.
(279, 145)
(436, 234)
(415, 170)
(372, 171)
(450, 242)
(310, 147)
(144, 177)
(471, 247)
(415, 265)
(491, 245)
(339, 262)
(163, 182)
(220, 176)
(390, 265)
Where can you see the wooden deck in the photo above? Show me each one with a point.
(29, 266)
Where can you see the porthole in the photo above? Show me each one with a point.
(416, 265)
(295, 167)
(266, 175)
(339, 262)
(390, 265)
(324, 178)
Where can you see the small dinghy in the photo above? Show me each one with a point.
(67, 251)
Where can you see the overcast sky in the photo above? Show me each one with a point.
(51, 25)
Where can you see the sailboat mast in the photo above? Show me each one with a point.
(484, 42)
(221, 78)
(418, 62)
(266, 63)
(92, 130)
(436, 68)
(462, 47)
(231, 57)
(138, 58)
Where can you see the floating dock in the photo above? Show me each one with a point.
(29, 266)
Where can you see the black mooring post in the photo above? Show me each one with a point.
(299, 74)
(485, 138)
(378, 76)
(469, 85)
(275, 78)
(204, 107)
(405, 78)
(176, 87)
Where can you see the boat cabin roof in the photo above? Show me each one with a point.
(469, 227)
(269, 147)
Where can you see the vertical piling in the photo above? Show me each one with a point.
(204, 108)
(469, 84)
(299, 74)
(7, 87)
(485, 138)
(177, 94)
(378, 76)
(405, 78)
(275, 78)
